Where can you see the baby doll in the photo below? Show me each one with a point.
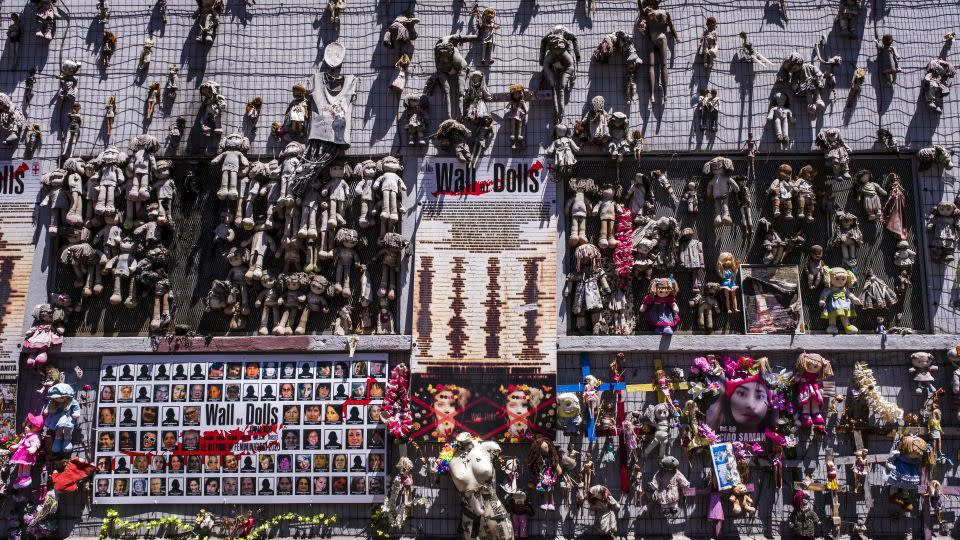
(813, 269)
(607, 210)
(41, 336)
(847, 235)
(719, 188)
(837, 301)
(781, 192)
(561, 150)
(662, 298)
(922, 371)
(62, 414)
(727, 269)
(905, 257)
(811, 370)
(25, 450)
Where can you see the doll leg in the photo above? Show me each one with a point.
(384, 282)
(155, 321)
(24, 480)
(832, 324)
(364, 221)
(735, 301)
(224, 181)
(244, 299)
(232, 192)
(604, 242)
(117, 295)
(847, 327)
(128, 218)
(264, 321)
(304, 319)
(280, 328)
(346, 283)
(64, 436)
(131, 301)
(143, 188)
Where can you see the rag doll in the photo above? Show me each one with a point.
(269, 301)
(667, 486)
(922, 372)
(315, 301)
(578, 207)
(391, 254)
(61, 415)
(25, 450)
(719, 188)
(233, 163)
(876, 293)
(389, 188)
(909, 455)
(562, 151)
(803, 518)
(943, 224)
(606, 209)
(811, 370)
(294, 297)
(604, 507)
(42, 336)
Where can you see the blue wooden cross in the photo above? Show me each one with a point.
(584, 371)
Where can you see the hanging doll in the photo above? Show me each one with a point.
(782, 117)
(709, 42)
(697, 434)
(233, 164)
(922, 372)
(719, 188)
(389, 188)
(591, 395)
(936, 83)
(803, 518)
(561, 151)
(298, 111)
(25, 450)
(935, 431)
(705, 304)
(668, 485)
(811, 370)
(836, 152)
(415, 119)
(606, 209)
(837, 301)
(544, 463)
(269, 300)
(61, 415)
(392, 252)
(803, 190)
(475, 99)
(604, 507)
(859, 469)
(869, 192)
(42, 336)
(660, 305)
(486, 30)
(848, 236)
(876, 293)
(660, 416)
(781, 192)
(516, 114)
(909, 455)
(894, 210)
(935, 496)
(727, 268)
(586, 286)
(814, 269)
(399, 82)
(943, 224)
(618, 146)
(520, 511)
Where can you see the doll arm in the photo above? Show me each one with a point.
(823, 297)
(573, 145)
(855, 300)
(912, 370)
(934, 368)
(218, 159)
(75, 410)
(604, 286)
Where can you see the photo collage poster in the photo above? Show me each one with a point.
(235, 429)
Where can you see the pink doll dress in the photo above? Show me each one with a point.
(23, 456)
(42, 337)
(809, 389)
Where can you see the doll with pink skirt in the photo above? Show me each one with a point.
(812, 370)
(25, 450)
(41, 336)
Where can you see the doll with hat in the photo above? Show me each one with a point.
(25, 450)
(803, 518)
(62, 414)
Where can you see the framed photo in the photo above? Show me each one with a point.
(724, 465)
(771, 299)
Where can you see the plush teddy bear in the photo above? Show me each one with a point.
(741, 500)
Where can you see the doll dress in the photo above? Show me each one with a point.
(62, 418)
(42, 337)
(905, 472)
(838, 305)
(808, 389)
(877, 294)
(660, 311)
(728, 281)
(23, 456)
(548, 477)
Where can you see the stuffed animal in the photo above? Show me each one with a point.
(741, 500)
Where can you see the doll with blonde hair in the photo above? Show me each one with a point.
(812, 370)
(837, 300)
(660, 305)
(727, 269)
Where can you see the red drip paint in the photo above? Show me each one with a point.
(471, 190)
(219, 442)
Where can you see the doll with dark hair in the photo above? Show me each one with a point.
(544, 463)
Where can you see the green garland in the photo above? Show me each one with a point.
(113, 523)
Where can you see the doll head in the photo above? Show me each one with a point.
(618, 120)
(268, 280)
(816, 252)
(476, 78)
(299, 91)
(568, 405)
(348, 238)
(784, 172)
(33, 423)
(318, 284)
(489, 14)
(887, 40)
(912, 446)
(902, 245)
(861, 453)
(664, 287)
(814, 363)
(780, 99)
(404, 465)
(946, 209)
(935, 488)
(586, 257)
(368, 169)
(807, 172)
(726, 261)
(292, 149)
(235, 141)
(669, 463)
(60, 396)
(921, 360)
(718, 166)
(238, 256)
(43, 313)
(711, 23)
(597, 104)
(560, 131)
(840, 277)
(606, 192)
(391, 164)
(516, 91)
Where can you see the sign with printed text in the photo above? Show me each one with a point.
(223, 429)
(19, 180)
(511, 178)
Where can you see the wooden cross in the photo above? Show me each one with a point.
(807, 483)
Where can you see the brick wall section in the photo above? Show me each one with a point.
(16, 263)
(493, 305)
(473, 245)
